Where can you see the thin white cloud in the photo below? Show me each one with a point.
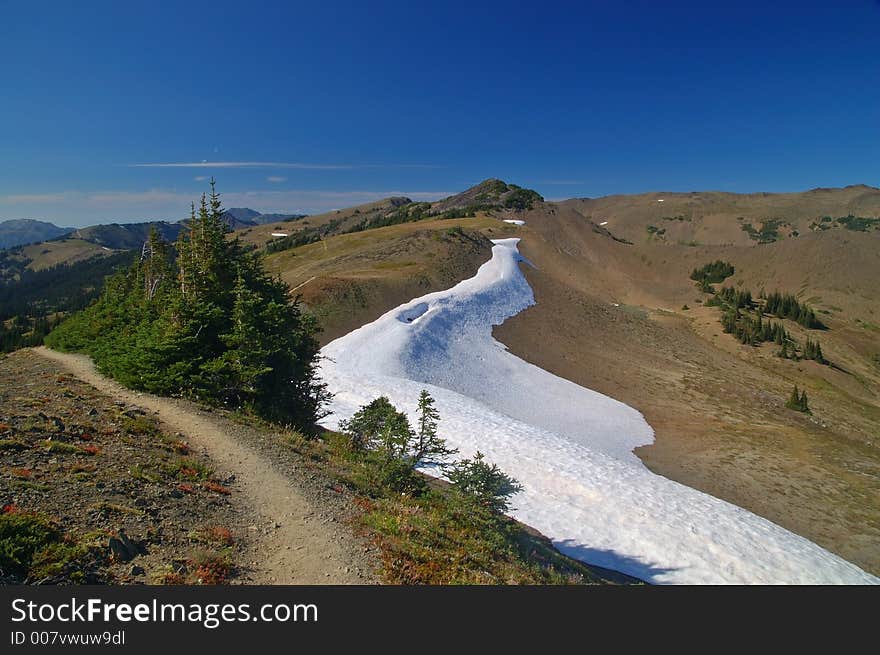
(276, 179)
(93, 198)
(200, 178)
(91, 207)
(273, 164)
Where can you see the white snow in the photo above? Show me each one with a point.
(603, 223)
(570, 447)
(660, 199)
(514, 221)
(279, 234)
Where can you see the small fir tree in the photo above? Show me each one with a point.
(483, 483)
(428, 447)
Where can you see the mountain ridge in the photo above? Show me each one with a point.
(22, 231)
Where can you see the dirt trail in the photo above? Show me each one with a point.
(300, 549)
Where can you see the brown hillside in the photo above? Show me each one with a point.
(352, 279)
(718, 218)
(609, 316)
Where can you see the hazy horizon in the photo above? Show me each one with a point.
(367, 197)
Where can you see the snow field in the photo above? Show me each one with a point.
(570, 447)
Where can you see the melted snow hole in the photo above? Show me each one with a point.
(410, 314)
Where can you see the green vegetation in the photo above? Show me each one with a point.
(678, 217)
(305, 236)
(469, 211)
(404, 214)
(740, 299)
(745, 318)
(753, 331)
(204, 321)
(798, 401)
(32, 303)
(430, 532)
(858, 223)
(787, 306)
(33, 547)
(486, 484)
(492, 195)
(769, 231)
(716, 271)
(521, 199)
(654, 230)
(812, 350)
(21, 537)
(385, 436)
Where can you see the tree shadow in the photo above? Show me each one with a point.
(613, 562)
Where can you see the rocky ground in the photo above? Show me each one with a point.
(134, 500)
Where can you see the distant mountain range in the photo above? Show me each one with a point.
(18, 232)
(122, 236)
(239, 217)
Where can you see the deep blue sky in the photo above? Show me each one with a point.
(572, 99)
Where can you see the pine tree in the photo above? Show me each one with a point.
(804, 406)
(155, 267)
(484, 483)
(794, 400)
(429, 447)
(798, 401)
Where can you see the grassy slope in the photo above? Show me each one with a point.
(261, 234)
(352, 279)
(63, 251)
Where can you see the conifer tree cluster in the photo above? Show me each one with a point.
(736, 297)
(753, 331)
(787, 306)
(716, 271)
(798, 401)
(812, 350)
(745, 318)
(379, 429)
(203, 319)
(382, 435)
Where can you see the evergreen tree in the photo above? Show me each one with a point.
(379, 426)
(794, 401)
(484, 483)
(429, 447)
(208, 323)
(798, 401)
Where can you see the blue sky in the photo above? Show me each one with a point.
(314, 106)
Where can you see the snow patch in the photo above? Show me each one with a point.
(570, 447)
(514, 221)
